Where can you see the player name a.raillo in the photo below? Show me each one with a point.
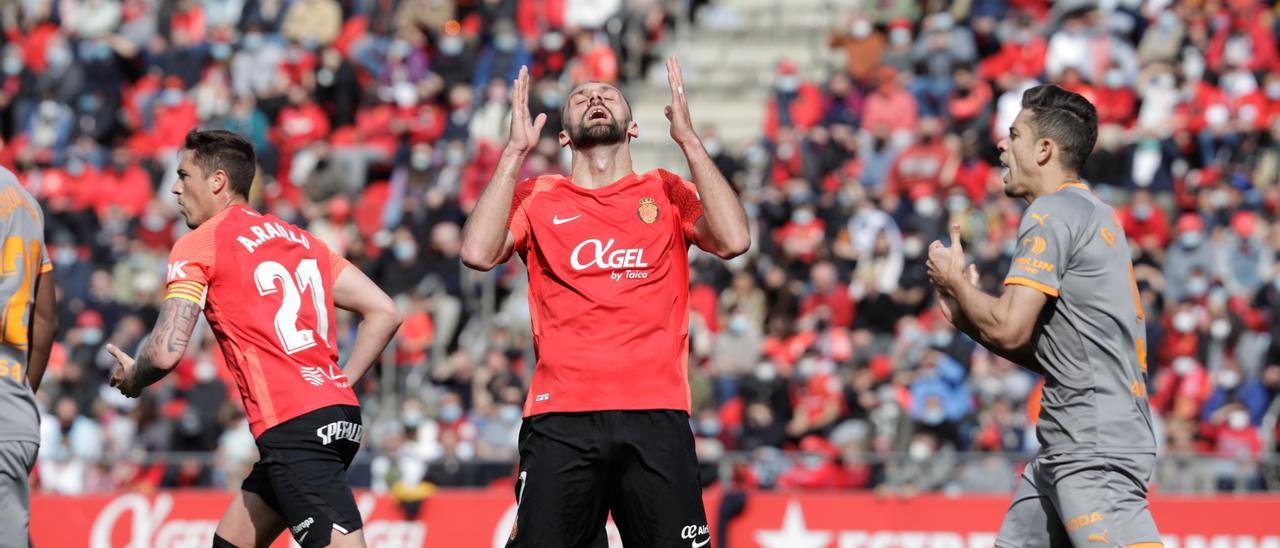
(268, 231)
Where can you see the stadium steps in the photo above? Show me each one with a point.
(728, 60)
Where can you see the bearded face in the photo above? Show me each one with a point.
(595, 115)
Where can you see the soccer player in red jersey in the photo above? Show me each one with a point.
(268, 290)
(606, 424)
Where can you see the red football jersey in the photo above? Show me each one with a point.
(267, 291)
(608, 290)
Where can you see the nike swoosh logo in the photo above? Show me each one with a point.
(556, 220)
(697, 544)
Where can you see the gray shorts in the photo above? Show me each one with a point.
(1069, 500)
(17, 458)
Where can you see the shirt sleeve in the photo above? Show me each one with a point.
(190, 267)
(1043, 246)
(518, 218)
(337, 263)
(683, 195)
(46, 265)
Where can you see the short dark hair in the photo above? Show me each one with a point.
(216, 149)
(1066, 118)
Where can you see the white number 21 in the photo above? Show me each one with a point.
(272, 277)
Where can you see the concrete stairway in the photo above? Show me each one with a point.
(729, 57)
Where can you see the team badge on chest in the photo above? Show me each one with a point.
(648, 210)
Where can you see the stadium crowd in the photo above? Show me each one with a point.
(817, 360)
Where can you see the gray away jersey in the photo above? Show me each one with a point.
(1090, 340)
(24, 259)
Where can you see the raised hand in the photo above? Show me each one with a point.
(946, 264)
(678, 111)
(524, 133)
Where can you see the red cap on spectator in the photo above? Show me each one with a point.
(339, 210)
(1208, 176)
(919, 191)
(471, 25)
(881, 367)
(1243, 223)
(89, 318)
(175, 408)
(1190, 222)
(988, 438)
(817, 444)
(786, 67)
(173, 82)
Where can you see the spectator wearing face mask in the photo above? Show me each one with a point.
(551, 58)
(897, 55)
(819, 399)
(796, 103)
(1190, 252)
(919, 168)
(1181, 389)
(1231, 385)
(1238, 445)
(827, 292)
(941, 47)
(939, 396)
(1145, 223)
(1115, 99)
(501, 58)
(1240, 258)
(594, 61)
(69, 442)
(1023, 53)
(401, 267)
(1245, 42)
(737, 350)
(863, 46)
(802, 236)
(927, 467)
(455, 58)
(968, 105)
(892, 107)
(254, 63)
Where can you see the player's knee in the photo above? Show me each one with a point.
(219, 542)
(353, 539)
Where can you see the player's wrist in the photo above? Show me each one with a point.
(689, 143)
(515, 153)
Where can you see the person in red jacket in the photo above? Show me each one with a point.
(1144, 222)
(1116, 102)
(1023, 54)
(920, 165)
(123, 184)
(969, 103)
(795, 103)
(301, 123)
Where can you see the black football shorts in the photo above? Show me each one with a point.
(577, 468)
(302, 473)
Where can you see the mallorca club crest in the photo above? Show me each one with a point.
(648, 210)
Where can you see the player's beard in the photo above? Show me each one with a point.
(585, 136)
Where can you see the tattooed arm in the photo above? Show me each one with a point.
(161, 351)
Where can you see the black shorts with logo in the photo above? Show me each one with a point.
(302, 472)
(577, 468)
